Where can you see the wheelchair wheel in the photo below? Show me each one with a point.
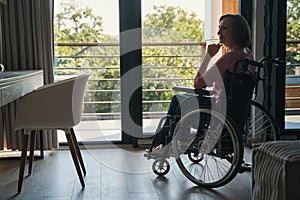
(161, 167)
(209, 134)
(260, 127)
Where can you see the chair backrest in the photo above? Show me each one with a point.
(78, 97)
(53, 106)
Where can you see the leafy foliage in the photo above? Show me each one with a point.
(293, 33)
(169, 65)
(163, 65)
(76, 25)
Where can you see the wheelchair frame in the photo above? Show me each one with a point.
(214, 165)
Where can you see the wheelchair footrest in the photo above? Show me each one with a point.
(165, 152)
(150, 156)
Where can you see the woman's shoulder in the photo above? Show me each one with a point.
(245, 53)
(229, 58)
(248, 53)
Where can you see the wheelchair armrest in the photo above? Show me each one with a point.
(191, 90)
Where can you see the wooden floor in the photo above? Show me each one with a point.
(115, 174)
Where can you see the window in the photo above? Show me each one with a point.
(292, 90)
(87, 41)
(172, 47)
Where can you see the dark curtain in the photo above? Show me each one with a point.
(27, 44)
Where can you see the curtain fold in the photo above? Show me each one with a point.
(27, 44)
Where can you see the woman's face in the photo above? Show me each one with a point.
(225, 32)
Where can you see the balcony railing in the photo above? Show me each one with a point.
(160, 61)
(292, 88)
(164, 65)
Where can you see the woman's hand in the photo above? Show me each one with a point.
(213, 49)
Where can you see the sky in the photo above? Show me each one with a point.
(108, 9)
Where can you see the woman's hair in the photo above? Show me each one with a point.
(240, 29)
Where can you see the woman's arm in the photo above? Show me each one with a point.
(212, 50)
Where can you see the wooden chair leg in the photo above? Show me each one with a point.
(77, 150)
(23, 160)
(31, 155)
(75, 159)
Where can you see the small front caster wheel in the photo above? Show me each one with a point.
(161, 167)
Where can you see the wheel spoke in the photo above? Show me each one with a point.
(212, 170)
(262, 127)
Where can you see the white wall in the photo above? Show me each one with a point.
(213, 11)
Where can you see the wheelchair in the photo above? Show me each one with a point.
(208, 142)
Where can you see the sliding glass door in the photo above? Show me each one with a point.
(172, 49)
(87, 41)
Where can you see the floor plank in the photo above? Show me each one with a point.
(113, 173)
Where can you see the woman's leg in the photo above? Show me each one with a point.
(174, 109)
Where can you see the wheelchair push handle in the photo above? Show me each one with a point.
(275, 61)
(259, 64)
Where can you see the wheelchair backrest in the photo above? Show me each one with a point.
(239, 86)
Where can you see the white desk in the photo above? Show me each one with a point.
(15, 84)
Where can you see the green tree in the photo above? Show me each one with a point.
(166, 24)
(183, 26)
(293, 33)
(166, 63)
(78, 24)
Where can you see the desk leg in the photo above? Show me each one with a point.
(41, 156)
(42, 144)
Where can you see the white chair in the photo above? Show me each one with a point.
(55, 106)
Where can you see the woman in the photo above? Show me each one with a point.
(235, 35)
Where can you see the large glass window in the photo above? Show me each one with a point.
(87, 41)
(292, 92)
(172, 48)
